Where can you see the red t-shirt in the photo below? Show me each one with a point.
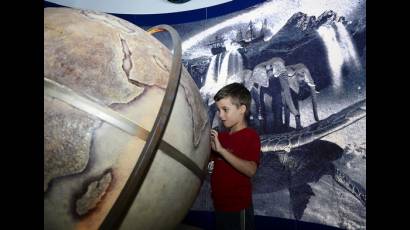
(232, 190)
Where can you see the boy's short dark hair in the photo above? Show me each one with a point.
(239, 93)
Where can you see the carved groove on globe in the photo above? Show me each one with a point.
(115, 65)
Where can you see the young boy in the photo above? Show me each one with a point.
(236, 158)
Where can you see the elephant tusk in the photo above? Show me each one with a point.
(311, 84)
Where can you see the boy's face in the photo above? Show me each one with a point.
(229, 113)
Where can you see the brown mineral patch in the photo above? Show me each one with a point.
(95, 191)
(67, 140)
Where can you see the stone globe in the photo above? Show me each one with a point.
(105, 80)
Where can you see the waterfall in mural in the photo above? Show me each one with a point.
(224, 68)
(350, 54)
(334, 53)
(340, 50)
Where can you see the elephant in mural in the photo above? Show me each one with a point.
(271, 78)
(252, 82)
(301, 83)
(286, 85)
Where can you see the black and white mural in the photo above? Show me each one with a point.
(304, 62)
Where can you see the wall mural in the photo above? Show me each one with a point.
(304, 63)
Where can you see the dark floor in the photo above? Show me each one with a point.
(196, 220)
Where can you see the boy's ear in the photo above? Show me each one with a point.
(242, 108)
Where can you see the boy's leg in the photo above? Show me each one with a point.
(247, 219)
(243, 220)
(227, 220)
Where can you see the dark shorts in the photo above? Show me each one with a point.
(242, 220)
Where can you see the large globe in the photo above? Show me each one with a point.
(99, 69)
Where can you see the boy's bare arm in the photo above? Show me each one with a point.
(246, 167)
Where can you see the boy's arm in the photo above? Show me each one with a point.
(244, 166)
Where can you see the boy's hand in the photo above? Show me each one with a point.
(215, 144)
(246, 167)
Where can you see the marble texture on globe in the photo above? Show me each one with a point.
(87, 160)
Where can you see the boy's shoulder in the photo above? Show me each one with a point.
(246, 132)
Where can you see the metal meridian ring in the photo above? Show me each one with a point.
(121, 206)
(63, 93)
(55, 90)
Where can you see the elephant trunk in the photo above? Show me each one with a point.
(314, 102)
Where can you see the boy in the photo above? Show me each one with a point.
(236, 158)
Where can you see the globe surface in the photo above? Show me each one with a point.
(116, 65)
